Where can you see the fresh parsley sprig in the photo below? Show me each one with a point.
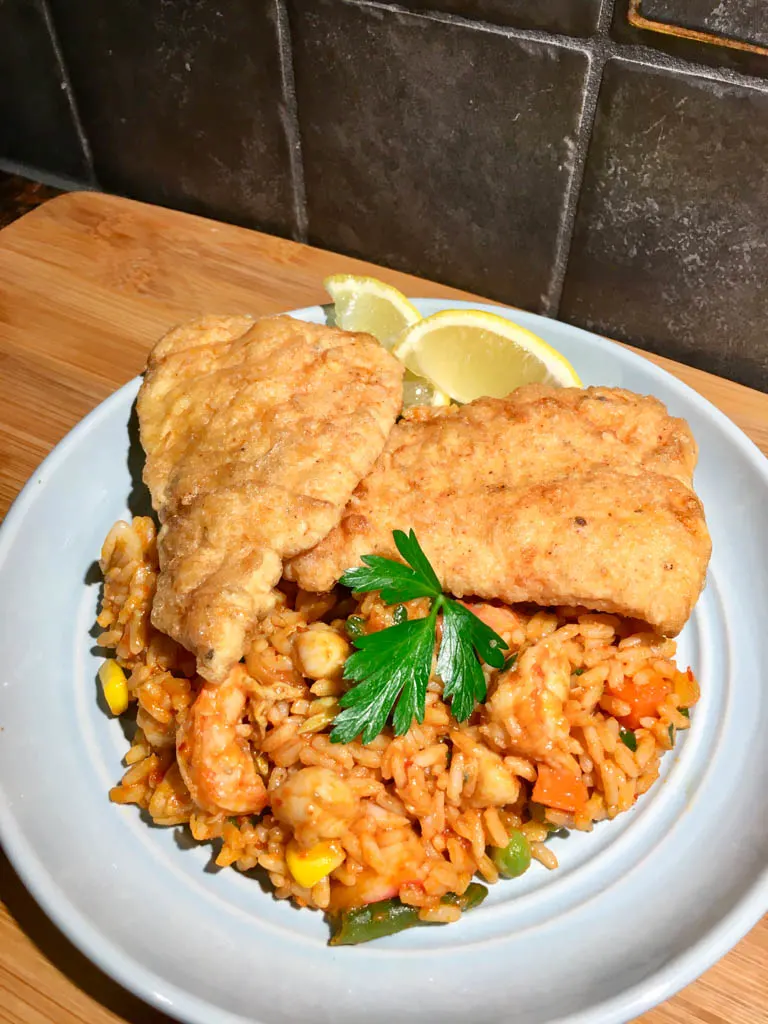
(391, 668)
(395, 581)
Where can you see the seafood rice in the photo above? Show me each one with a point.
(572, 732)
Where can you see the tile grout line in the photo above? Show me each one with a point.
(533, 35)
(638, 53)
(599, 48)
(550, 305)
(599, 43)
(599, 52)
(290, 120)
(67, 85)
(605, 19)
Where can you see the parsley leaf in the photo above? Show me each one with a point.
(457, 665)
(397, 582)
(485, 640)
(411, 551)
(391, 668)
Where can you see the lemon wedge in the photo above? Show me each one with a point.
(369, 305)
(420, 391)
(469, 353)
(366, 304)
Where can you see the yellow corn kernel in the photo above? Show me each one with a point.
(309, 866)
(115, 686)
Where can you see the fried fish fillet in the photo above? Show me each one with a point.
(551, 495)
(256, 434)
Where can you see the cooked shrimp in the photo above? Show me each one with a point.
(316, 803)
(159, 734)
(496, 785)
(171, 803)
(503, 620)
(269, 667)
(528, 703)
(215, 760)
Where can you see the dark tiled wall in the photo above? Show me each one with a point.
(37, 123)
(464, 180)
(604, 162)
(671, 240)
(745, 20)
(183, 103)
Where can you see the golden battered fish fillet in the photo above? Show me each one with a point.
(551, 495)
(256, 434)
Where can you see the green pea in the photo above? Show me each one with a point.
(515, 858)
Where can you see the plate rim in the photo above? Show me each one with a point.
(658, 986)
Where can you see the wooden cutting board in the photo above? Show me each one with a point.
(87, 283)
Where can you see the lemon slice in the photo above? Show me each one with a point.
(366, 304)
(420, 391)
(468, 353)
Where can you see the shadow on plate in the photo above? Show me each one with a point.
(33, 921)
(67, 959)
(139, 501)
(184, 840)
(93, 577)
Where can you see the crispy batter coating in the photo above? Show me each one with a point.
(256, 434)
(559, 496)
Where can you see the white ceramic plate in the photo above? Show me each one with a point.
(639, 907)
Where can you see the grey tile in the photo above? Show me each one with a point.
(665, 35)
(36, 125)
(573, 17)
(670, 249)
(746, 20)
(182, 103)
(435, 148)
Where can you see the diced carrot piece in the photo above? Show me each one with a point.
(686, 689)
(643, 698)
(560, 789)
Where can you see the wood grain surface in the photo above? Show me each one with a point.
(87, 284)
